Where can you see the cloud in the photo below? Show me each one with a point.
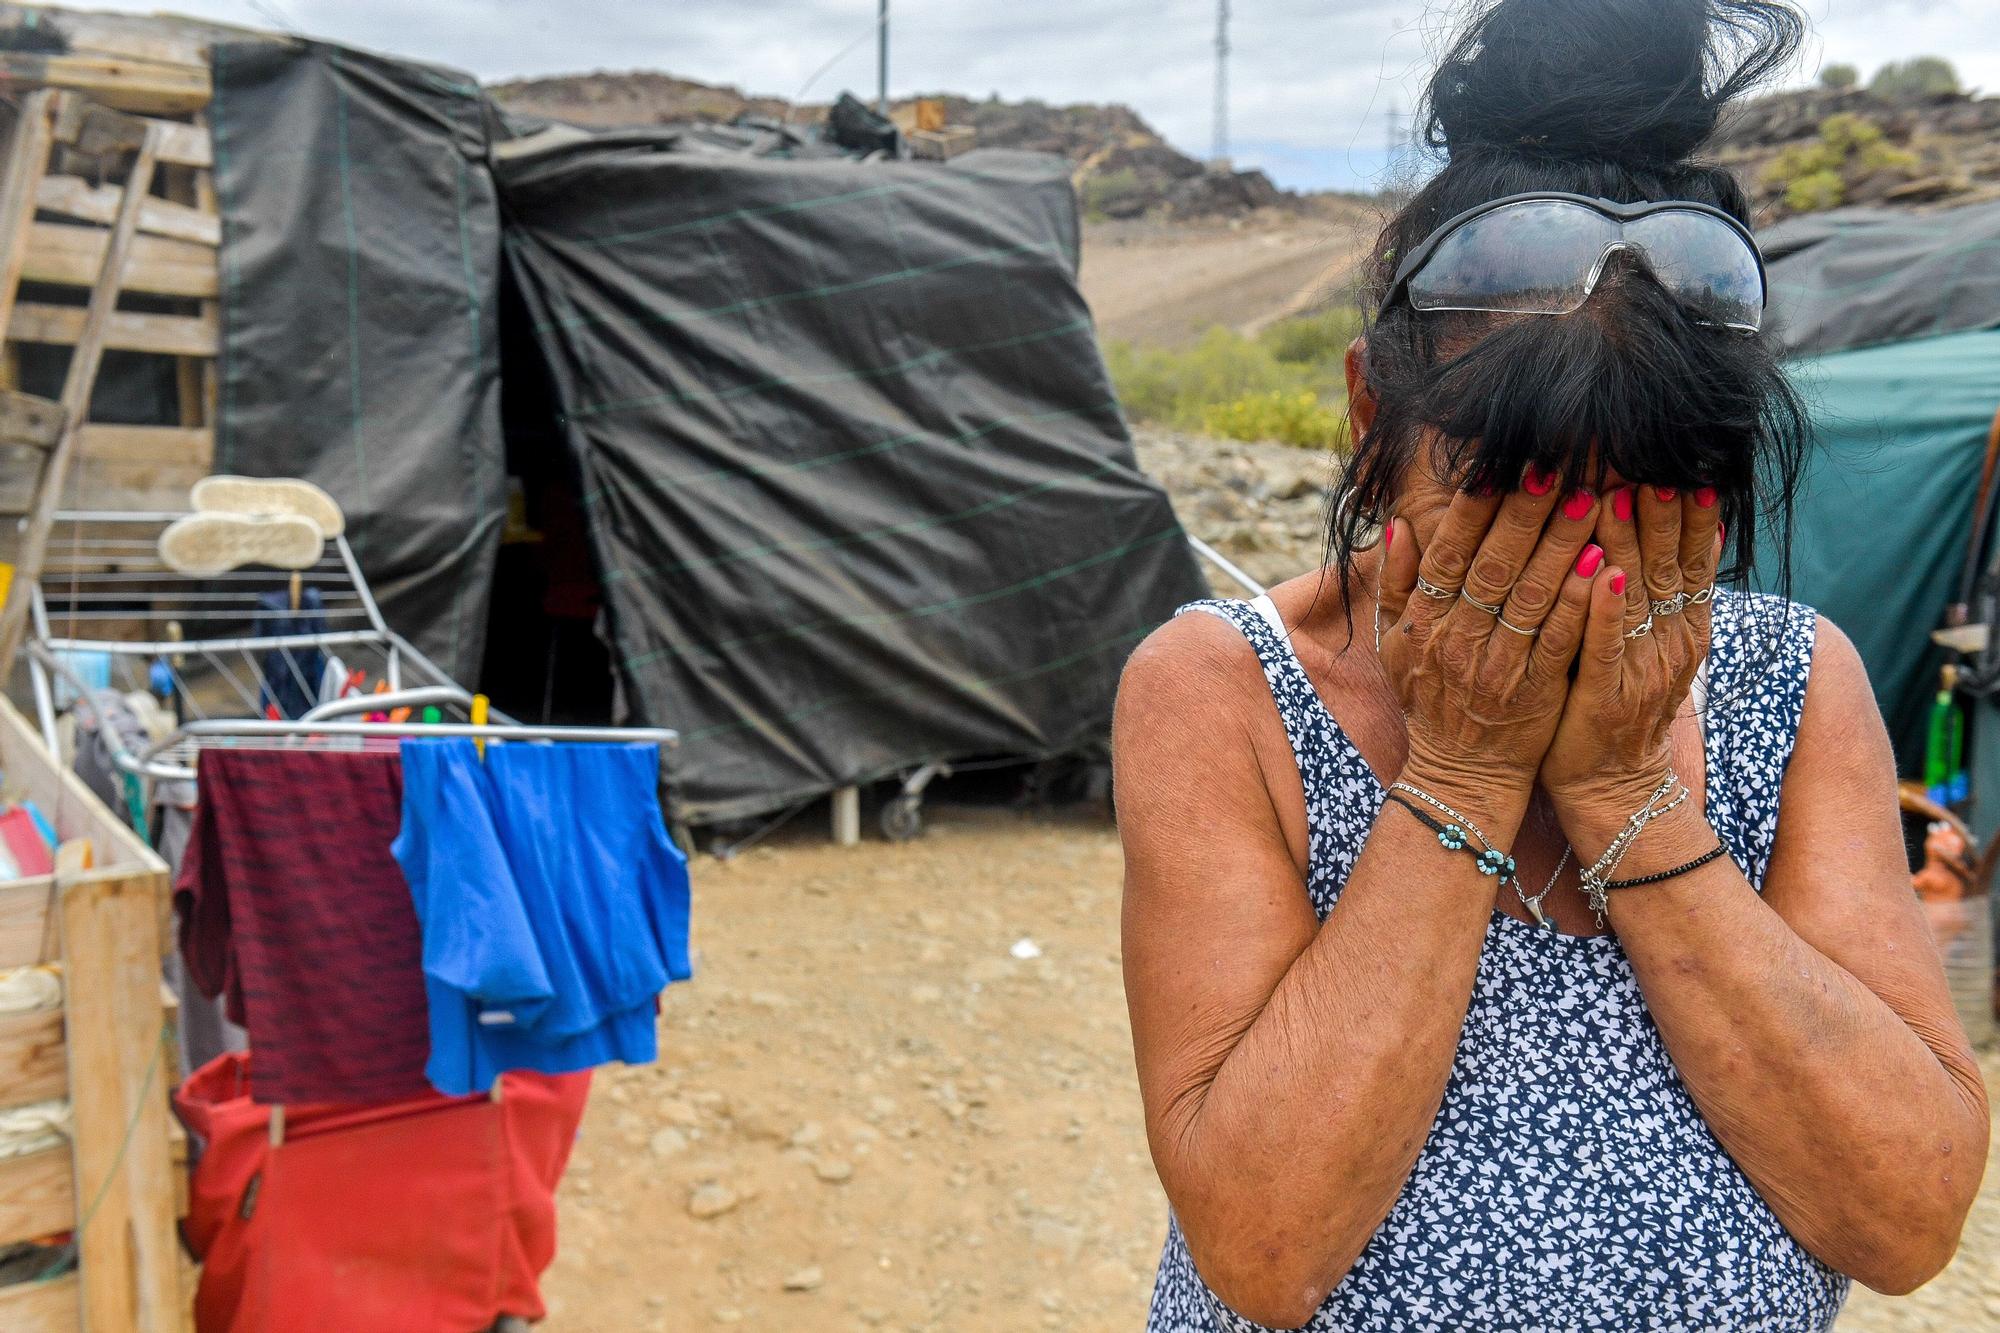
(1312, 82)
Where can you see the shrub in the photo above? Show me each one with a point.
(1314, 340)
(1288, 416)
(1920, 76)
(1839, 77)
(1286, 384)
(1815, 174)
(1112, 194)
(1815, 191)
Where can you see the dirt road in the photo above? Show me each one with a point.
(1152, 283)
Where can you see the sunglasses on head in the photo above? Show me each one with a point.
(1543, 253)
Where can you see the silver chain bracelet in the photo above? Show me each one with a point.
(1594, 877)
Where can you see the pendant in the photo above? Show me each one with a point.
(1534, 906)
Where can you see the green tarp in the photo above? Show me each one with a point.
(1886, 510)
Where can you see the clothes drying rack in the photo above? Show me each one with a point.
(104, 589)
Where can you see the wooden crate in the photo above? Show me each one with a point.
(109, 1049)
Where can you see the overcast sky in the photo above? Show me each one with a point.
(1313, 82)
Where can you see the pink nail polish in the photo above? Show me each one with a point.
(1663, 493)
(1705, 497)
(1621, 503)
(1536, 481)
(1618, 583)
(1578, 504)
(1592, 557)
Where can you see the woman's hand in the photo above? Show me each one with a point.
(1481, 700)
(1643, 643)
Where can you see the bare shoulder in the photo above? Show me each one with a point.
(1191, 675)
(1840, 703)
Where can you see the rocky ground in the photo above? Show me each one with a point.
(899, 1095)
(1262, 505)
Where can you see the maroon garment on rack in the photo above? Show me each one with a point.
(291, 904)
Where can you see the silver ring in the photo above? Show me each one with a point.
(1701, 595)
(1478, 605)
(1525, 633)
(1670, 606)
(1640, 630)
(1429, 589)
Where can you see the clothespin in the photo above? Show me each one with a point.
(296, 589)
(481, 706)
(381, 687)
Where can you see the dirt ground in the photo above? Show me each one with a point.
(872, 1111)
(1167, 284)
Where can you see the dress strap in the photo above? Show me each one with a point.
(1268, 609)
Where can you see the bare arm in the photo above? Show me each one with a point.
(1291, 1069)
(1813, 1026)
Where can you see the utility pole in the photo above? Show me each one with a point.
(882, 57)
(1221, 147)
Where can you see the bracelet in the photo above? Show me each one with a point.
(1681, 869)
(1596, 877)
(1452, 836)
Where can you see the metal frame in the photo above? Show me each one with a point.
(414, 680)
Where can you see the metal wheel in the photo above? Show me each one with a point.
(902, 818)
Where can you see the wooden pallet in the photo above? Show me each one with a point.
(71, 151)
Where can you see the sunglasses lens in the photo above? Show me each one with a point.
(1532, 258)
(1542, 257)
(1701, 262)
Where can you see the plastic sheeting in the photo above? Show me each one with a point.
(855, 477)
(1886, 510)
(1857, 277)
(360, 270)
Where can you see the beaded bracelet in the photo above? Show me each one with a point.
(1455, 836)
(1657, 876)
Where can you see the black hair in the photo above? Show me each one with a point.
(1613, 99)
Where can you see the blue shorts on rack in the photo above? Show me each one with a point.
(553, 907)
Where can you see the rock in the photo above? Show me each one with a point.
(804, 1279)
(806, 1135)
(834, 1170)
(677, 1112)
(668, 1142)
(727, 1315)
(711, 1200)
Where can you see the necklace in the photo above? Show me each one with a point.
(1534, 904)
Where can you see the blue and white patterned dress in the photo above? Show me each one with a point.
(1568, 1182)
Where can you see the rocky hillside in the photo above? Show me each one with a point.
(1822, 148)
(1124, 169)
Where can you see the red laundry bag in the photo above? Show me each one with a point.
(433, 1215)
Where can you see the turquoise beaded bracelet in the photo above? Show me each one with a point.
(1456, 837)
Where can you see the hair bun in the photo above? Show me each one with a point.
(1640, 81)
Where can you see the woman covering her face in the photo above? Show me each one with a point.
(1517, 927)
